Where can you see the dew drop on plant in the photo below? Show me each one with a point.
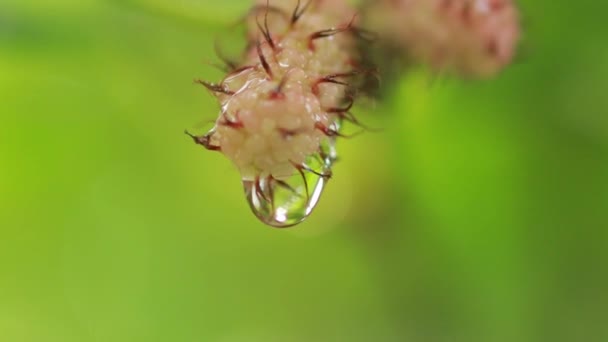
(283, 203)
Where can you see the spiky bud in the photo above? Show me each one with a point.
(281, 105)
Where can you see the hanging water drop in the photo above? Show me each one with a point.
(285, 203)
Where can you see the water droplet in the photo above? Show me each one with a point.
(286, 202)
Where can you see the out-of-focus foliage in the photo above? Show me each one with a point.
(479, 214)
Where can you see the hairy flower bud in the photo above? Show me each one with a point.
(281, 107)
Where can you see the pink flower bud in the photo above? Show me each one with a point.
(281, 106)
(471, 37)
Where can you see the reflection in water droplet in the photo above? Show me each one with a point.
(287, 202)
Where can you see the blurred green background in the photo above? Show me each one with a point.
(479, 214)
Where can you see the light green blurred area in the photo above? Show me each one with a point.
(478, 214)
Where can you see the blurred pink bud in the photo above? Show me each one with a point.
(470, 37)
